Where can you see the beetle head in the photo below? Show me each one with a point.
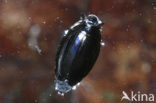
(93, 20)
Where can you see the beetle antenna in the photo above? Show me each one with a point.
(82, 16)
(100, 24)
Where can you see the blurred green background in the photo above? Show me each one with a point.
(29, 34)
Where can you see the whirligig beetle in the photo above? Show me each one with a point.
(77, 52)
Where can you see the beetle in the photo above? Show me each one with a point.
(77, 52)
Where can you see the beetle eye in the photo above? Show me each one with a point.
(92, 19)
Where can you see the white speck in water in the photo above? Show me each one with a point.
(66, 9)
(33, 38)
(35, 30)
(6, 1)
(18, 52)
(57, 18)
(36, 101)
(50, 94)
(61, 21)
(146, 68)
(29, 18)
(102, 43)
(44, 22)
(154, 8)
(127, 29)
(149, 21)
(45, 38)
(141, 40)
(38, 49)
(133, 2)
(101, 29)
(140, 14)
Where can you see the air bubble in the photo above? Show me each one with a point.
(74, 88)
(59, 93)
(62, 86)
(56, 88)
(102, 43)
(78, 84)
(66, 32)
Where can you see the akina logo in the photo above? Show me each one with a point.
(137, 97)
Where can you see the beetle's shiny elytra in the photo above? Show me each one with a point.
(77, 52)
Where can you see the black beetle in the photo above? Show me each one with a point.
(77, 52)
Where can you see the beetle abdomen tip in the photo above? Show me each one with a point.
(62, 86)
